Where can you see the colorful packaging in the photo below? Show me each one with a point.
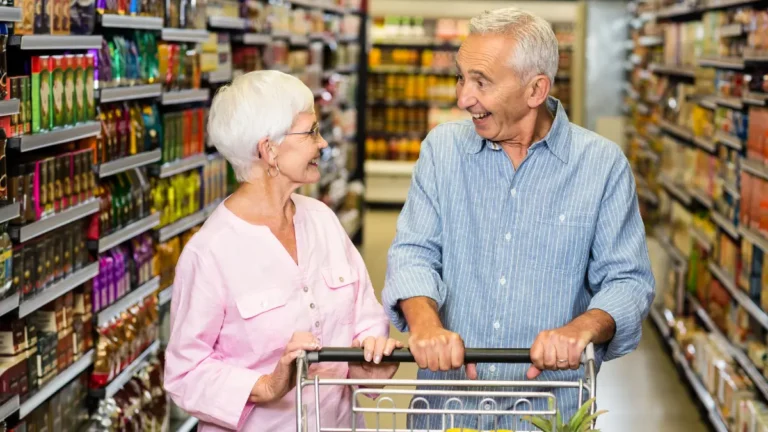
(59, 116)
(26, 105)
(41, 94)
(70, 110)
(26, 26)
(89, 87)
(82, 17)
(42, 17)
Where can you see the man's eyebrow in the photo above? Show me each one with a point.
(478, 72)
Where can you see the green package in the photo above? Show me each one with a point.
(57, 113)
(90, 103)
(79, 76)
(41, 93)
(70, 114)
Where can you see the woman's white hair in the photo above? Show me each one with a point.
(255, 105)
(536, 49)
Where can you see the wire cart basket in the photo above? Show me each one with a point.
(485, 394)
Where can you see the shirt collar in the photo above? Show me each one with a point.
(556, 139)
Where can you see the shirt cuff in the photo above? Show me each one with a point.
(235, 401)
(619, 304)
(392, 296)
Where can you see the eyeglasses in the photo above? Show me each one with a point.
(314, 133)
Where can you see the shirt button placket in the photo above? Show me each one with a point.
(314, 313)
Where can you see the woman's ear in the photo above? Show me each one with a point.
(264, 150)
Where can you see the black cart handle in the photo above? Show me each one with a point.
(403, 355)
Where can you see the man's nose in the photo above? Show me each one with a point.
(465, 98)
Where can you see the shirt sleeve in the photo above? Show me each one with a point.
(196, 380)
(619, 272)
(415, 258)
(370, 319)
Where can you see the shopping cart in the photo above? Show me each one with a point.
(453, 408)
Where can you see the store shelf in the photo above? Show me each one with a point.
(676, 254)
(677, 192)
(724, 224)
(9, 407)
(184, 224)
(187, 426)
(23, 233)
(55, 42)
(678, 131)
(728, 281)
(755, 98)
(705, 144)
(133, 22)
(649, 41)
(58, 289)
(119, 94)
(10, 14)
(227, 23)
(184, 35)
(754, 237)
(701, 239)
(165, 296)
(9, 107)
(299, 40)
(729, 140)
(9, 212)
(708, 102)
(734, 63)
(740, 356)
(658, 318)
(730, 188)
(125, 376)
(127, 233)
(384, 167)
(56, 384)
(177, 167)
(128, 163)
(729, 102)
(185, 96)
(678, 71)
(648, 196)
(9, 303)
(41, 140)
(702, 197)
(256, 39)
(219, 76)
(755, 168)
(731, 30)
(106, 315)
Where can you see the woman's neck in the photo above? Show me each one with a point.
(263, 202)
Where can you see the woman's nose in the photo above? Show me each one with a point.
(322, 144)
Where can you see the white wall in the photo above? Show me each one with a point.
(553, 11)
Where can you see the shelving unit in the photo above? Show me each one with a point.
(134, 229)
(58, 289)
(122, 379)
(696, 128)
(106, 315)
(56, 384)
(128, 163)
(42, 140)
(21, 234)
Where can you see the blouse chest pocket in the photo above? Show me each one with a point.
(561, 241)
(341, 292)
(268, 319)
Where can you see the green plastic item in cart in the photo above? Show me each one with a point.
(580, 422)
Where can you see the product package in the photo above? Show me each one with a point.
(82, 17)
(59, 114)
(26, 26)
(42, 16)
(41, 94)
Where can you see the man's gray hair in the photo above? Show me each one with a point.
(536, 49)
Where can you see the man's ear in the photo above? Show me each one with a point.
(539, 91)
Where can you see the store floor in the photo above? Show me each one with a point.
(641, 391)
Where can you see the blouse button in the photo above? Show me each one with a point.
(341, 279)
(306, 289)
(311, 305)
(317, 323)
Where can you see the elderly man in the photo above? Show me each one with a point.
(520, 228)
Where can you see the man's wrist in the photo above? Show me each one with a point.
(596, 325)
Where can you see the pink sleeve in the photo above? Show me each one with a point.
(370, 319)
(198, 382)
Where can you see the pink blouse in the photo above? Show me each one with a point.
(238, 297)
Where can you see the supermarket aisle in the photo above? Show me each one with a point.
(642, 391)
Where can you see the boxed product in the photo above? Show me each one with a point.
(41, 93)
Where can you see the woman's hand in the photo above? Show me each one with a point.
(273, 387)
(374, 349)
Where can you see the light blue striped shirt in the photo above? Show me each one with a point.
(509, 253)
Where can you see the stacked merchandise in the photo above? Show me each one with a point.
(105, 175)
(698, 122)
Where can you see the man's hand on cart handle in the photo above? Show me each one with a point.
(562, 348)
(438, 349)
(273, 387)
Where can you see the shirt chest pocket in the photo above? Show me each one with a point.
(268, 319)
(560, 241)
(340, 284)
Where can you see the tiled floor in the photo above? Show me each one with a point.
(642, 391)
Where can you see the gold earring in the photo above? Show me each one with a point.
(277, 169)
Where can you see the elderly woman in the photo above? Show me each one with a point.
(269, 275)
